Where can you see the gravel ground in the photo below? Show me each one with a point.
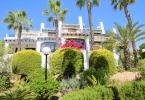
(126, 76)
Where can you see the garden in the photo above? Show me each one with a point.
(22, 76)
(67, 79)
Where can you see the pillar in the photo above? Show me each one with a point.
(102, 27)
(81, 22)
(38, 46)
(86, 56)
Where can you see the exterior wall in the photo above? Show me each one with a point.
(24, 46)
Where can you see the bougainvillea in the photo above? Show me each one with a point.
(72, 43)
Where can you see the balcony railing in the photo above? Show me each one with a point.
(72, 31)
(14, 36)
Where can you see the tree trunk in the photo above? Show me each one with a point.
(19, 37)
(126, 11)
(127, 59)
(135, 54)
(90, 23)
(56, 35)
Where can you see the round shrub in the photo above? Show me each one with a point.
(25, 61)
(67, 61)
(103, 59)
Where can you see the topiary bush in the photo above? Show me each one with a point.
(67, 61)
(103, 59)
(90, 93)
(25, 61)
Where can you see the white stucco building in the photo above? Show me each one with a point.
(36, 40)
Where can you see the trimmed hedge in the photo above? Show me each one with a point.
(25, 61)
(90, 93)
(67, 61)
(103, 59)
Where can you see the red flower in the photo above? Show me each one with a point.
(72, 43)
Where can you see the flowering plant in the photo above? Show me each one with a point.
(72, 43)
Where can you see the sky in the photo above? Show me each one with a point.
(104, 13)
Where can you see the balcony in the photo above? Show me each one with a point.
(74, 31)
(14, 36)
(100, 38)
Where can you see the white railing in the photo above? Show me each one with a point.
(13, 36)
(79, 31)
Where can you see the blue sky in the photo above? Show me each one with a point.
(104, 13)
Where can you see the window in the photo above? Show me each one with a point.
(51, 45)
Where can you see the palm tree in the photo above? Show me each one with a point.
(123, 4)
(57, 15)
(80, 4)
(17, 21)
(136, 34)
(121, 40)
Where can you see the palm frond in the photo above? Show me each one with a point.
(45, 12)
(52, 5)
(58, 3)
(6, 20)
(131, 1)
(11, 14)
(63, 12)
(80, 3)
(26, 28)
(96, 2)
(10, 26)
(15, 27)
(61, 18)
(139, 39)
(113, 2)
(117, 4)
(50, 19)
(21, 14)
(139, 34)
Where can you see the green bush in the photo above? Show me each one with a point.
(120, 69)
(142, 63)
(100, 76)
(142, 68)
(2, 48)
(103, 59)
(19, 92)
(67, 61)
(90, 93)
(25, 61)
(71, 84)
(37, 72)
(142, 46)
(130, 91)
(44, 88)
(3, 81)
